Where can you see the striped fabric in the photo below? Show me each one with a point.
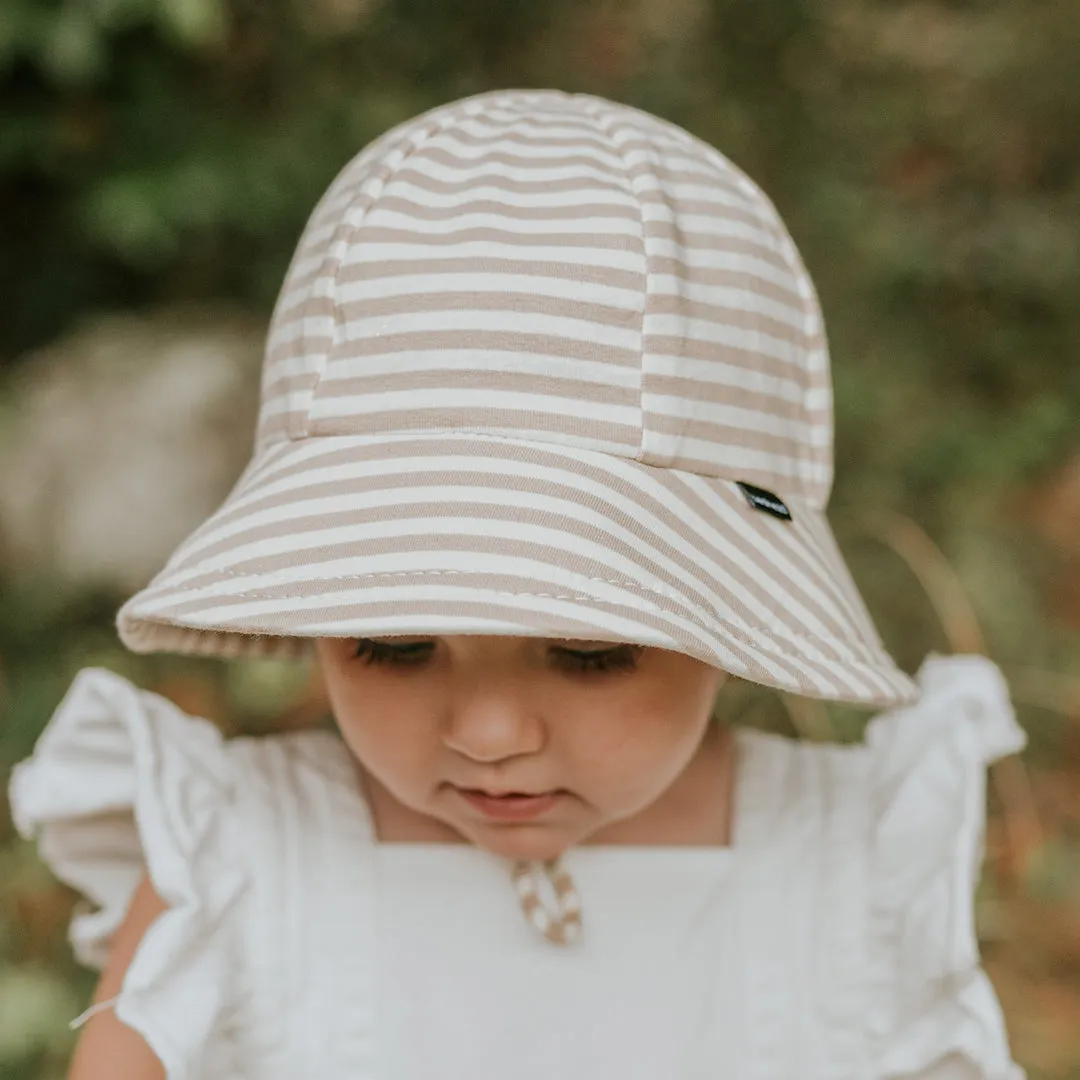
(528, 343)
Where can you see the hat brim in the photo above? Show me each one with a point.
(356, 536)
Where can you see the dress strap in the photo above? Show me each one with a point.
(312, 937)
(801, 846)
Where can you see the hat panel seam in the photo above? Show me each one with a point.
(353, 215)
(610, 129)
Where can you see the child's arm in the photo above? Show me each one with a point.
(108, 1049)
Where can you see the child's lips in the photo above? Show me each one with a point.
(510, 806)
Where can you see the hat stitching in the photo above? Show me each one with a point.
(677, 604)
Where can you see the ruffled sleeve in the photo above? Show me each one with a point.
(122, 783)
(935, 1012)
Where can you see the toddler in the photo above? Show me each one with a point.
(543, 457)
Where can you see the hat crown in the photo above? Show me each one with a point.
(556, 268)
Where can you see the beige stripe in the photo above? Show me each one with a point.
(491, 341)
(541, 112)
(582, 136)
(696, 241)
(707, 470)
(728, 315)
(476, 420)
(583, 211)
(709, 176)
(667, 346)
(787, 446)
(493, 379)
(293, 349)
(465, 264)
(435, 341)
(515, 302)
(822, 546)
(676, 208)
(727, 393)
(589, 241)
(590, 186)
(641, 153)
(741, 278)
(274, 427)
(470, 163)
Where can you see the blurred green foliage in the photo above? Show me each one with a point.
(925, 156)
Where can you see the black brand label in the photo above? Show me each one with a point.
(765, 501)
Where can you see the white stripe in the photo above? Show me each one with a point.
(475, 360)
(284, 402)
(520, 124)
(582, 332)
(383, 218)
(703, 330)
(712, 189)
(739, 301)
(372, 251)
(531, 200)
(718, 259)
(371, 404)
(437, 170)
(530, 154)
(729, 460)
(357, 625)
(751, 420)
(295, 366)
(510, 282)
(719, 373)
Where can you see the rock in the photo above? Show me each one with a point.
(119, 439)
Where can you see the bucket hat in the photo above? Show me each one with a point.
(542, 365)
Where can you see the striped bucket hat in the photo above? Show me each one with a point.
(542, 365)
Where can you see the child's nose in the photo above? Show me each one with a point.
(489, 721)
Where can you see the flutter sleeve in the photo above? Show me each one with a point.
(120, 784)
(936, 1014)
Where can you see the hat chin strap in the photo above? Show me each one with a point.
(561, 926)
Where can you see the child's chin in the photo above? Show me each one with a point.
(529, 843)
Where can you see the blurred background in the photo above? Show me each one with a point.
(158, 159)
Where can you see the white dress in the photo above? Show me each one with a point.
(834, 939)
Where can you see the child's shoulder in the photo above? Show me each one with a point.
(909, 788)
(964, 712)
(963, 721)
(122, 782)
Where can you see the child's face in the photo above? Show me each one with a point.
(597, 731)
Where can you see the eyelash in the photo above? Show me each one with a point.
(598, 661)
